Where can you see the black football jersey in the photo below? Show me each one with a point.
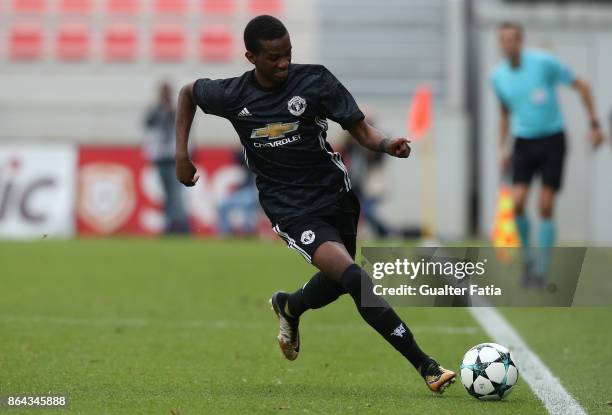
(283, 133)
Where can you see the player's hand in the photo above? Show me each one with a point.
(504, 160)
(398, 147)
(596, 137)
(186, 172)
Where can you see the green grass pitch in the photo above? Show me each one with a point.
(130, 326)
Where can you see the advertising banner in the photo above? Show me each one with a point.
(120, 191)
(37, 191)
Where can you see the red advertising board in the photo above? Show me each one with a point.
(119, 191)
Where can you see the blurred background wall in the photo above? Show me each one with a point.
(84, 72)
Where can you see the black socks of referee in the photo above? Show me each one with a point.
(381, 317)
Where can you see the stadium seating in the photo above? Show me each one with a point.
(122, 6)
(73, 42)
(273, 7)
(216, 44)
(170, 6)
(218, 7)
(120, 43)
(25, 42)
(168, 43)
(76, 6)
(29, 6)
(122, 35)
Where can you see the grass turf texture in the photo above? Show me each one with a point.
(133, 326)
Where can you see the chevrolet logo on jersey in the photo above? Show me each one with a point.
(275, 130)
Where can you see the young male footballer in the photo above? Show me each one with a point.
(280, 112)
(525, 85)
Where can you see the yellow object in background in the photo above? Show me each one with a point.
(505, 233)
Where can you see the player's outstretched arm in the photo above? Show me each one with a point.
(373, 139)
(186, 172)
(595, 133)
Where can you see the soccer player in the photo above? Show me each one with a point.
(525, 83)
(280, 111)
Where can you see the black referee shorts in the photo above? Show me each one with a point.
(338, 223)
(543, 156)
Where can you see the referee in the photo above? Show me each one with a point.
(524, 83)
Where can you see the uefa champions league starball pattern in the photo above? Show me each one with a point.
(488, 371)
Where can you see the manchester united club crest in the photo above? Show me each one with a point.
(297, 105)
(308, 237)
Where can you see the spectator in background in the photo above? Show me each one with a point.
(159, 148)
(364, 167)
(243, 199)
(368, 182)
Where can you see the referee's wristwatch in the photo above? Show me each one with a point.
(595, 124)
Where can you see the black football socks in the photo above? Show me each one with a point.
(316, 293)
(381, 317)
(320, 291)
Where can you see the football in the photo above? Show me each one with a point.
(488, 371)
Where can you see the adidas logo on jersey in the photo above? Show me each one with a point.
(244, 113)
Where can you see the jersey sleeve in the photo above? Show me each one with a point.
(559, 72)
(338, 103)
(209, 95)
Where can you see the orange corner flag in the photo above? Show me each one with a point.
(419, 115)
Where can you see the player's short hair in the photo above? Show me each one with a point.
(512, 25)
(262, 27)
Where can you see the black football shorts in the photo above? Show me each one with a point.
(539, 156)
(337, 222)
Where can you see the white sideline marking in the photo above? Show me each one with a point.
(214, 324)
(543, 383)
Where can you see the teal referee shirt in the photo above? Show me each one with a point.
(529, 93)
